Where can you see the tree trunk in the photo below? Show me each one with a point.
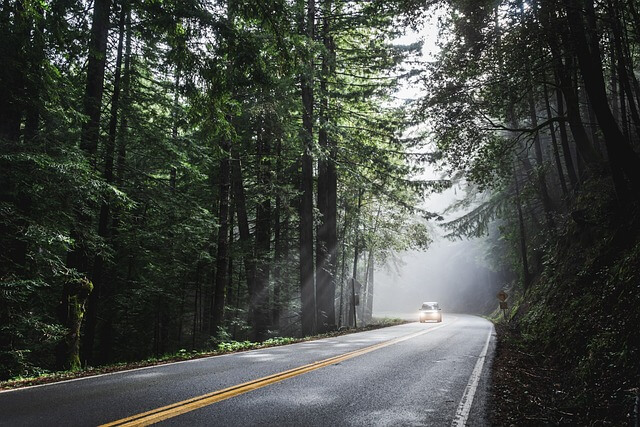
(526, 276)
(327, 188)
(98, 276)
(554, 144)
(259, 298)
(126, 101)
(240, 203)
(18, 93)
(230, 282)
(34, 83)
(78, 258)
(615, 108)
(547, 203)
(95, 77)
(564, 141)
(629, 62)
(71, 312)
(593, 127)
(586, 153)
(622, 65)
(622, 102)
(343, 267)
(278, 241)
(369, 299)
(224, 177)
(307, 276)
(368, 293)
(356, 254)
(621, 156)
(196, 295)
(564, 82)
(12, 71)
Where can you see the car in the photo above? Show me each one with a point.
(430, 310)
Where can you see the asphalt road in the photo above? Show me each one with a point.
(433, 374)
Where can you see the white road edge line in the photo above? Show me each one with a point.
(462, 413)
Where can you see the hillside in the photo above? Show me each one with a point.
(570, 353)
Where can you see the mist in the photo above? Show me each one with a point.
(450, 272)
(455, 273)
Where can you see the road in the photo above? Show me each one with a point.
(433, 374)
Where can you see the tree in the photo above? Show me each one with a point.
(206, 139)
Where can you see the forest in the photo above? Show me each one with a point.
(170, 173)
(537, 104)
(178, 174)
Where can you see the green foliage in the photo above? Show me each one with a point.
(581, 316)
(139, 217)
(32, 335)
(233, 346)
(506, 106)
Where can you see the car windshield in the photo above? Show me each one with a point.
(429, 306)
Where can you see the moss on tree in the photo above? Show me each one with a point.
(76, 293)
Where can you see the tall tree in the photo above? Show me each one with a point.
(621, 155)
(307, 270)
(327, 243)
(78, 258)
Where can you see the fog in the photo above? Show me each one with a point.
(451, 273)
(456, 273)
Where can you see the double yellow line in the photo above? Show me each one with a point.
(175, 409)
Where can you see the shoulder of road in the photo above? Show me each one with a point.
(182, 356)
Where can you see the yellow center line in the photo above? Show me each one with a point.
(175, 409)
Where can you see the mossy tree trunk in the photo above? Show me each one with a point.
(72, 310)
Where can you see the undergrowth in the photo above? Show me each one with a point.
(571, 353)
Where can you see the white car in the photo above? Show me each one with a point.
(430, 311)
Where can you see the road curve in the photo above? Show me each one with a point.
(413, 374)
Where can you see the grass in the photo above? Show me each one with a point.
(183, 354)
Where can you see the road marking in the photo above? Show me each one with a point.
(130, 370)
(462, 413)
(178, 408)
